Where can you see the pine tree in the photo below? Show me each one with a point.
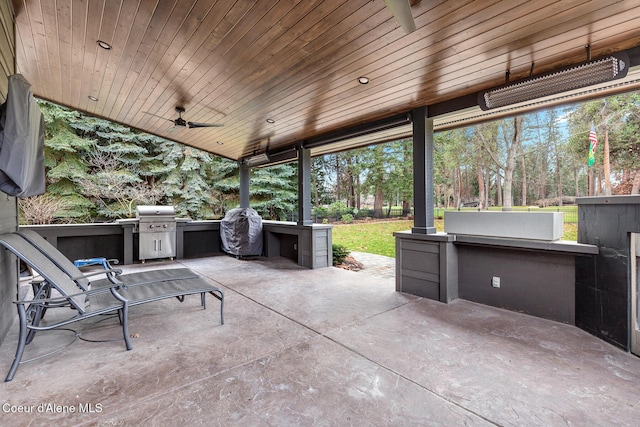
(273, 191)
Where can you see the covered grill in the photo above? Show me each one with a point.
(156, 232)
(241, 232)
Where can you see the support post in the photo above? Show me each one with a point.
(422, 172)
(244, 185)
(304, 186)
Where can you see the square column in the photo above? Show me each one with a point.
(422, 172)
(244, 184)
(304, 186)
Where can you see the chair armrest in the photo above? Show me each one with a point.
(104, 262)
(63, 300)
(115, 271)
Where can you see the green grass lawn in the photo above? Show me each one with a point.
(377, 237)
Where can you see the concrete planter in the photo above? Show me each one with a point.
(517, 225)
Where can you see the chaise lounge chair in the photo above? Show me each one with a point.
(77, 275)
(103, 298)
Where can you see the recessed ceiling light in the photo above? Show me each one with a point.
(271, 121)
(363, 80)
(104, 44)
(220, 143)
(92, 98)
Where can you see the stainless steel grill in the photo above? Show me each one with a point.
(157, 232)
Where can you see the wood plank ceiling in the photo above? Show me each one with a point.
(296, 62)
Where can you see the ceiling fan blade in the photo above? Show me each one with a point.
(155, 115)
(203, 125)
(401, 9)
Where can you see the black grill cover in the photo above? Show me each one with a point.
(241, 232)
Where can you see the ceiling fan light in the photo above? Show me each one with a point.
(587, 74)
(103, 44)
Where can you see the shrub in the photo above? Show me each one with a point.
(41, 209)
(347, 218)
(321, 212)
(336, 209)
(340, 252)
(555, 201)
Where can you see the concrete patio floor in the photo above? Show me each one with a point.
(321, 347)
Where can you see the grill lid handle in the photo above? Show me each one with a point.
(145, 210)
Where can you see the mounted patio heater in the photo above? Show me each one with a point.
(590, 73)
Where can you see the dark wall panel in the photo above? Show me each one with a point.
(78, 247)
(536, 283)
(201, 243)
(602, 284)
(289, 246)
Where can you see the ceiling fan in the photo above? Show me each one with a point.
(182, 122)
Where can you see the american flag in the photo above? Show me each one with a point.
(593, 143)
(593, 139)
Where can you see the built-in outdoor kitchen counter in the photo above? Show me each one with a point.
(308, 245)
(478, 259)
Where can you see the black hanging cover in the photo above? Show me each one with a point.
(22, 172)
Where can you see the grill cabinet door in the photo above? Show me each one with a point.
(157, 245)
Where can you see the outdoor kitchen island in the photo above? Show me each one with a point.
(307, 245)
(511, 260)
